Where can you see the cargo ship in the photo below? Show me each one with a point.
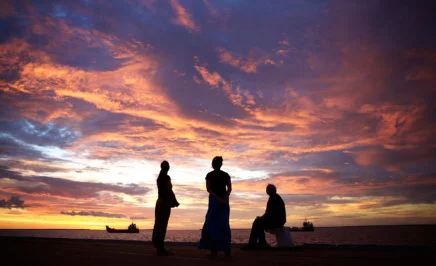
(307, 227)
(131, 229)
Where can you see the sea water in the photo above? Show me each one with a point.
(404, 235)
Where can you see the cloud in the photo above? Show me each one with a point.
(249, 64)
(212, 10)
(13, 202)
(11, 147)
(37, 166)
(35, 133)
(184, 18)
(7, 9)
(235, 95)
(94, 213)
(138, 218)
(407, 194)
(63, 187)
(393, 160)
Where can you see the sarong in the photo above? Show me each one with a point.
(216, 235)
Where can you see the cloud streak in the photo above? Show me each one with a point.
(94, 213)
(183, 17)
(63, 187)
(13, 202)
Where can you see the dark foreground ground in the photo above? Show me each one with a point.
(44, 251)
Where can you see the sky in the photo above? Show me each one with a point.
(331, 101)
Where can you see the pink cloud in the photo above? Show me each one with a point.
(235, 95)
(184, 18)
(393, 160)
(247, 64)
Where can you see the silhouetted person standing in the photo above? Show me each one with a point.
(165, 201)
(216, 235)
(274, 217)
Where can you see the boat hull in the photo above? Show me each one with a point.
(126, 231)
(302, 229)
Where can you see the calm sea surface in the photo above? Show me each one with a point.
(414, 235)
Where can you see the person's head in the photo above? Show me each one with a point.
(217, 162)
(271, 189)
(165, 166)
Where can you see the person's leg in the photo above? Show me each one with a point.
(160, 227)
(256, 231)
(165, 218)
(156, 228)
(261, 232)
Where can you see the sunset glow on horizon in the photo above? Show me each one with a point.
(331, 101)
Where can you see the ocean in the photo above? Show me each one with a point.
(389, 235)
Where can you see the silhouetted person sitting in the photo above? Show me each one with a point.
(274, 217)
(166, 200)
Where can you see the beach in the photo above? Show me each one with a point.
(52, 251)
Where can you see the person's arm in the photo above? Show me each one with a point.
(229, 187)
(172, 197)
(209, 190)
(268, 212)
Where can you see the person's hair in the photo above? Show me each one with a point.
(164, 167)
(271, 186)
(217, 162)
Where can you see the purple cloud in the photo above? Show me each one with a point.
(64, 187)
(13, 202)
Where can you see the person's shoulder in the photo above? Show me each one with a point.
(224, 174)
(278, 197)
(209, 175)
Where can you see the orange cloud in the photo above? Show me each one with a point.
(184, 18)
(238, 98)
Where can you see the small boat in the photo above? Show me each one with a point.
(131, 229)
(307, 227)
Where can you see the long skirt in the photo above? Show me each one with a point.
(216, 235)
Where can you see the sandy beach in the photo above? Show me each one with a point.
(46, 251)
